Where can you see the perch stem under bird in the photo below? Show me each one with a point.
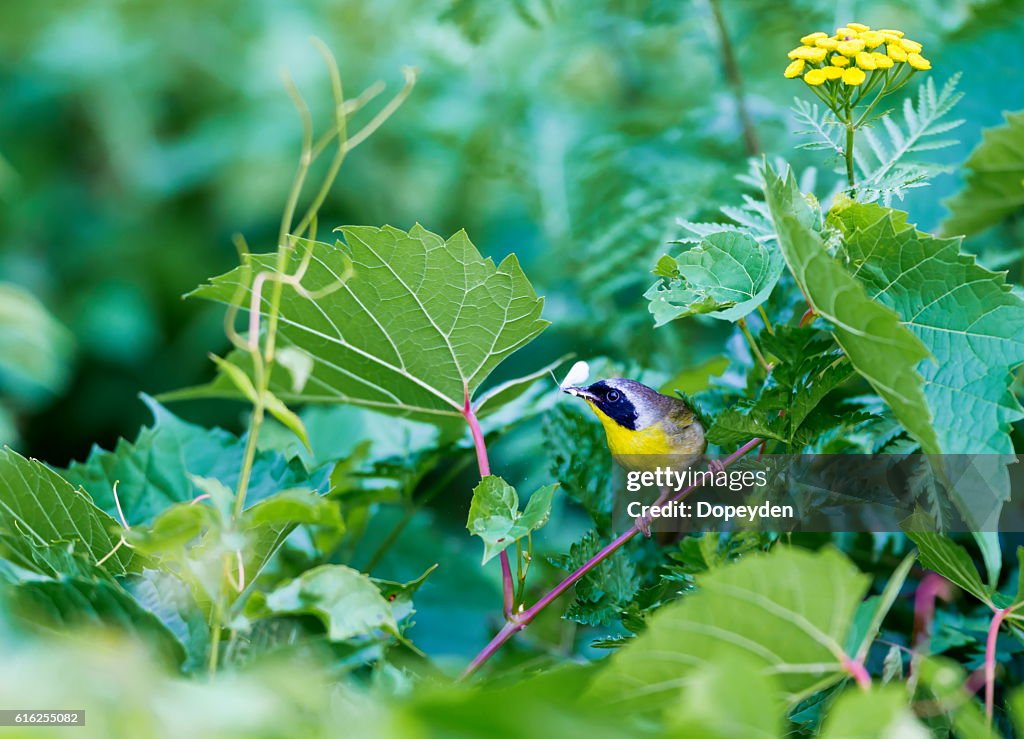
(523, 619)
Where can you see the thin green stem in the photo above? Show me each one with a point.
(764, 317)
(848, 154)
(754, 348)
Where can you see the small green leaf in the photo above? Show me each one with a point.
(727, 277)
(286, 416)
(347, 602)
(494, 514)
(941, 554)
(885, 602)
(994, 187)
(172, 530)
(238, 378)
(604, 592)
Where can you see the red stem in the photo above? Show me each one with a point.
(858, 672)
(932, 586)
(990, 660)
(522, 620)
(507, 584)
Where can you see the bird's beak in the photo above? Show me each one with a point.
(579, 392)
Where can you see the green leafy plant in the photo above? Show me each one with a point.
(321, 566)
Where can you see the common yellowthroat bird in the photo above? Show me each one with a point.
(645, 429)
(643, 426)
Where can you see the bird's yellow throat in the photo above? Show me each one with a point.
(625, 442)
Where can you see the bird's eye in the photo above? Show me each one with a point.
(613, 396)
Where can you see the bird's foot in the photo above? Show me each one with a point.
(643, 523)
(716, 466)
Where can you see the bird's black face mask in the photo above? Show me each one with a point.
(611, 401)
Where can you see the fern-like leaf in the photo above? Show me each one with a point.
(882, 156)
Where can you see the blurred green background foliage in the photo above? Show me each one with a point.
(137, 137)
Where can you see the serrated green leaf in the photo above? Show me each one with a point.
(882, 712)
(727, 277)
(883, 351)
(268, 523)
(172, 530)
(494, 514)
(417, 328)
(789, 611)
(40, 505)
(809, 365)
(345, 600)
(580, 461)
(968, 318)
(941, 554)
(994, 187)
(154, 470)
(603, 593)
(77, 603)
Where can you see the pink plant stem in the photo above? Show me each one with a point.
(507, 584)
(522, 620)
(932, 586)
(990, 660)
(858, 672)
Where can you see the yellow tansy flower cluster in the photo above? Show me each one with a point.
(854, 55)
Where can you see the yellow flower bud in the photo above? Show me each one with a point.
(891, 32)
(881, 60)
(839, 60)
(918, 62)
(826, 43)
(860, 27)
(832, 73)
(815, 77)
(795, 69)
(810, 38)
(853, 76)
(896, 53)
(845, 31)
(851, 47)
(872, 39)
(911, 46)
(866, 60)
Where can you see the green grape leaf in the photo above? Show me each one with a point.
(994, 187)
(414, 331)
(941, 554)
(494, 514)
(968, 318)
(789, 611)
(77, 603)
(879, 347)
(726, 699)
(727, 276)
(347, 602)
(604, 592)
(38, 504)
(156, 470)
(883, 711)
